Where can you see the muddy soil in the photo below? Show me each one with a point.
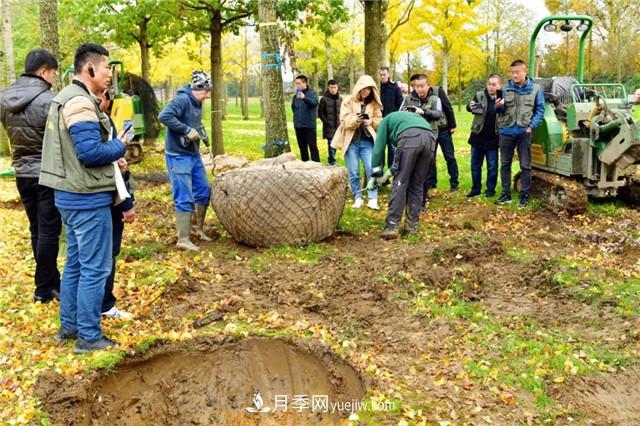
(207, 382)
(361, 289)
(611, 399)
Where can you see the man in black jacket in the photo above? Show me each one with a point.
(391, 97)
(329, 114)
(484, 137)
(304, 106)
(24, 106)
(446, 127)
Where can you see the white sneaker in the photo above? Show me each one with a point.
(373, 204)
(357, 203)
(117, 314)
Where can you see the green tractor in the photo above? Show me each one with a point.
(587, 144)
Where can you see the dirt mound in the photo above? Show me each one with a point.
(209, 383)
(611, 399)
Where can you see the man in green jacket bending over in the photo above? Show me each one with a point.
(415, 145)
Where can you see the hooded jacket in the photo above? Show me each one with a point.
(24, 107)
(329, 114)
(349, 111)
(180, 115)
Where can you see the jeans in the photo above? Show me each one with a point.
(477, 159)
(359, 150)
(89, 262)
(446, 144)
(307, 142)
(332, 153)
(189, 181)
(508, 144)
(45, 226)
(414, 157)
(109, 300)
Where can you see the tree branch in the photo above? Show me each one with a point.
(236, 18)
(403, 19)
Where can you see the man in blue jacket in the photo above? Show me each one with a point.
(304, 106)
(191, 188)
(78, 157)
(520, 111)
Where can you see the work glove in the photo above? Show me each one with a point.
(419, 111)
(374, 182)
(371, 184)
(193, 135)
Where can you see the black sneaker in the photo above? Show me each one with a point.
(84, 347)
(524, 202)
(472, 194)
(503, 199)
(64, 334)
(489, 194)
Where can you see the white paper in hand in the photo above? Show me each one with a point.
(121, 187)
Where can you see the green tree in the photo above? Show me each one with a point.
(149, 24)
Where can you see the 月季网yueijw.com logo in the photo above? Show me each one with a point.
(313, 403)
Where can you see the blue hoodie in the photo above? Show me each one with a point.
(538, 108)
(180, 115)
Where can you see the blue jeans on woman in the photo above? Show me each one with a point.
(89, 262)
(477, 159)
(359, 150)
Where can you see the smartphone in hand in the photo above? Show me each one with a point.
(363, 116)
(127, 131)
(499, 94)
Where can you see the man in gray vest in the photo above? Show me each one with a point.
(78, 163)
(484, 137)
(519, 112)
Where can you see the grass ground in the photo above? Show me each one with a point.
(488, 316)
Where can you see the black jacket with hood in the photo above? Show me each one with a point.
(24, 107)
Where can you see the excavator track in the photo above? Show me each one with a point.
(631, 192)
(557, 192)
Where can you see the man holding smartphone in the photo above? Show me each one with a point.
(304, 106)
(519, 112)
(77, 162)
(484, 136)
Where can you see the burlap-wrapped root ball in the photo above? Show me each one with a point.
(280, 201)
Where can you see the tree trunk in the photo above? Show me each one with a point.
(217, 83)
(374, 36)
(49, 26)
(445, 66)
(459, 83)
(245, 77)
(327, 48)
(352, 72)
(7, 34)
(277, 139)
(225, 99)
(618, 54)
(143, 41)
(245, 96)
